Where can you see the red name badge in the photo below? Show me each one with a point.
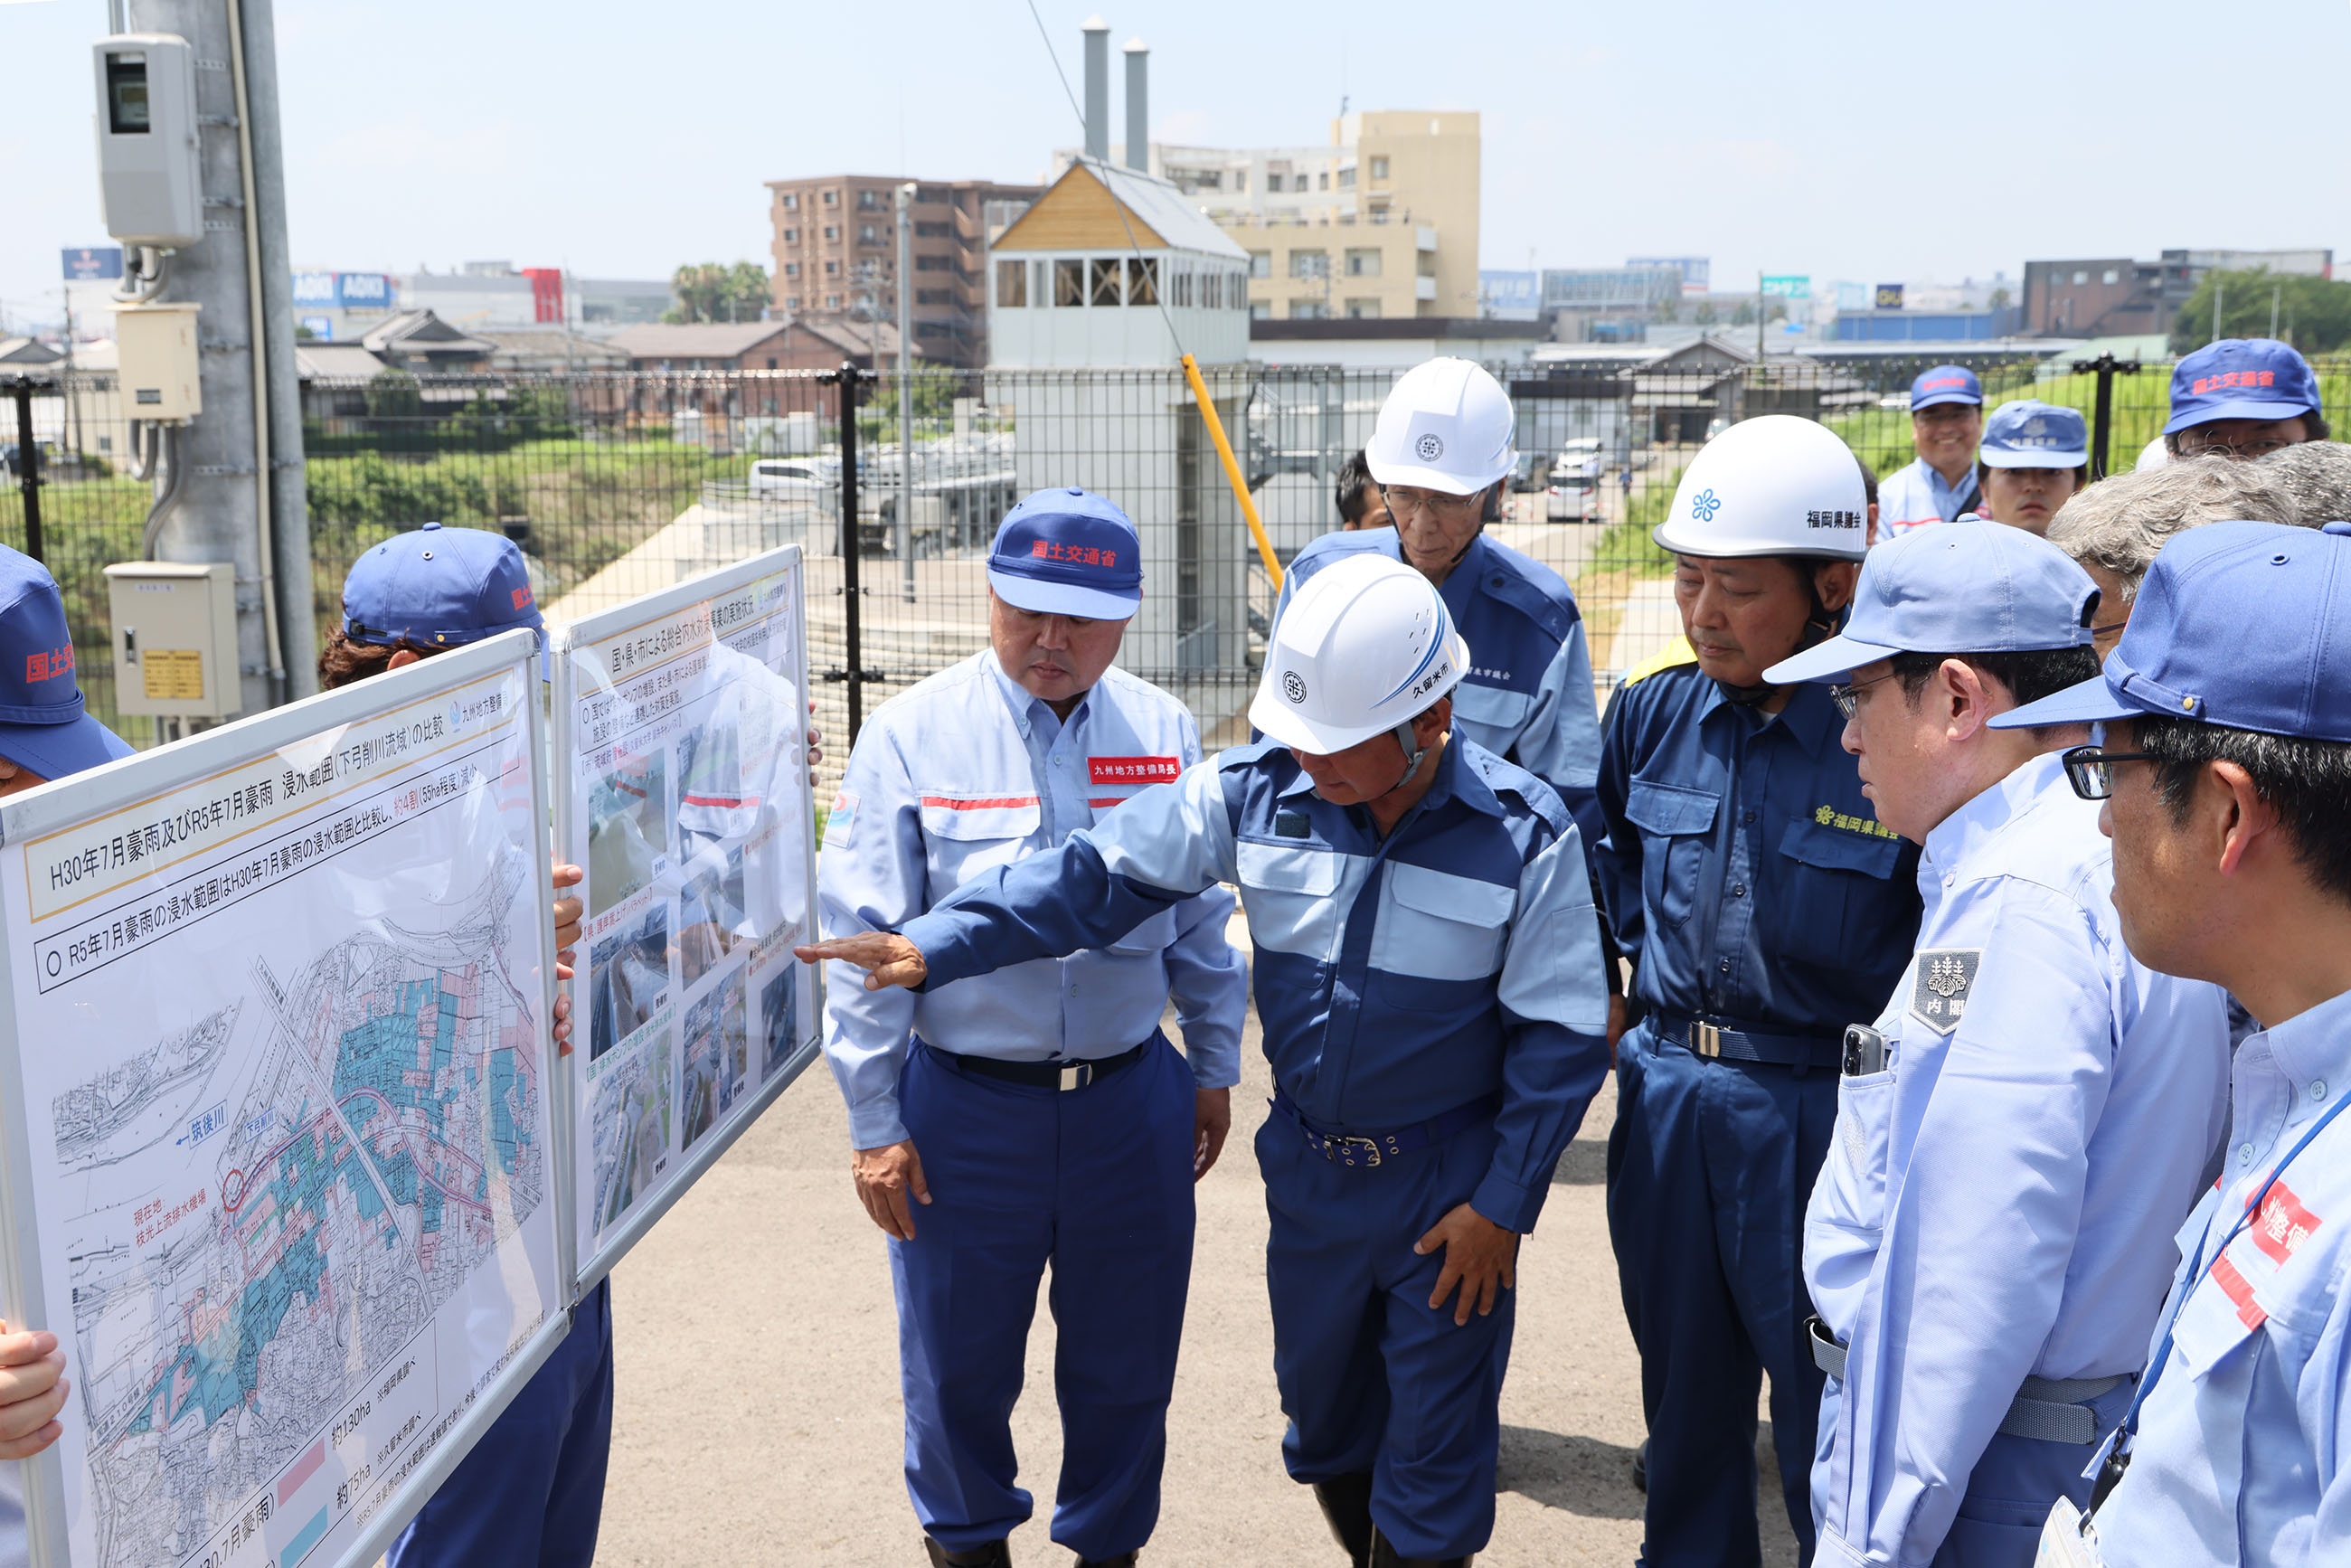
(1133, 771)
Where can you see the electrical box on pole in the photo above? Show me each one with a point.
(156, 361)
(148, 176)
(175, 639)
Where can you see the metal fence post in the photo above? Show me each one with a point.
(28, 467)
(852, 644)
(2102, 411)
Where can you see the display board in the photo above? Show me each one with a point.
(280, 1165)
(680, 722)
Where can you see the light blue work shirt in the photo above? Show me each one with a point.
(1402, 975)
(965, 772)
(1999, 1202)
(1528, 695)
(2243, 1453)
(1916, 494)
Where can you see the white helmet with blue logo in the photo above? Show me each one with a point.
(1366, 647)
(1775, 485)
(1446, 427)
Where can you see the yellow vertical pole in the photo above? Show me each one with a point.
(1232, 470)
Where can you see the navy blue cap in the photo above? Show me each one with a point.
(1970, 587)
(1066, 552)
(2030, 434)
(438, 588)
(2244, 625)
(2240, 378)
(1945, 383)
(43, 729)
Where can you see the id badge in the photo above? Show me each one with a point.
(2067, 1540)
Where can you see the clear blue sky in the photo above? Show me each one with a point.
(1845, 140)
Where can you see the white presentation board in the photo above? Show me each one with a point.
(280, 1166)
(681, 724)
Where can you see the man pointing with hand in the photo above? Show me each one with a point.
(1429, 978)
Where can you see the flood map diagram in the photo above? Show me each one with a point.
(347, 1144)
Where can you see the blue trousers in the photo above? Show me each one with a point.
(2012, 1487)
(1371, 1379)
(1710, 1164)
(531, 1492)
(1097, 1182)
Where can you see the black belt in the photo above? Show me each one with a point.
(1785, 1048)
(1041, 1074)
(1345, 1149)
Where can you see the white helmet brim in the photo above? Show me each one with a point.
(1280, 721)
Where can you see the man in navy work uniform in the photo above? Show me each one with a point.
(1945, 426)
(532, 1491)
(1988, 1243)
(1037, 1115)
(1441, 453)
(44, 735)
(1428, 975)
(1763, 906)
(2225, 767)
(2246, 397)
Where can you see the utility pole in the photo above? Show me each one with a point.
(905, 390)
(2218, 289)
(242, 498)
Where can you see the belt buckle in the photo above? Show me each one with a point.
(1346, 1148)
(1705, 1038)
(1076, 1075)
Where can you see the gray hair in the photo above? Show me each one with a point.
(2315, 476)
(2119, 524)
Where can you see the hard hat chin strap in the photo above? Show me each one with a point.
(1412, 754)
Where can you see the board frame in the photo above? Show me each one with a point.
(564, 701)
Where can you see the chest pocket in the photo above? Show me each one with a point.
(1842, 898)
(1675, 821)
(1287, 891)
(1439, 927)
(962, 837)
(1493, 714)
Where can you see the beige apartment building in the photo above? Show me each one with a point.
(1381, 223)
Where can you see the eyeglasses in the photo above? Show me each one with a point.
(1402, 502)
(2091, 771)
(2194, 446)
(1847, 698)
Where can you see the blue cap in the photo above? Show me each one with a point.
(1065, 552)
(2240, 378)
(1969, 587)
(2244, 624)
(1945, 383)
(43, 729)
(2030, 434)
(438, 588)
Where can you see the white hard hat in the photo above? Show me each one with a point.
(1365, 646)
(1446, 427)
(1775, 485)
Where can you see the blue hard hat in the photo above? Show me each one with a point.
(2240, 378)
(438, 588)
(1067, 552)
(2244, 625)
(1945, 383)
(2030, 434)
(43, 726)
(1970, 587)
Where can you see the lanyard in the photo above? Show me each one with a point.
(2195, 1275)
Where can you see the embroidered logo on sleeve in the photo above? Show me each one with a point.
(845, 818)
(1941, 978)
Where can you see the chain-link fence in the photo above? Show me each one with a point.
(615, 484)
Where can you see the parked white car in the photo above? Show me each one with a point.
(803, 476)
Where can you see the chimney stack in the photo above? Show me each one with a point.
(1097, 88)
(1138, 105)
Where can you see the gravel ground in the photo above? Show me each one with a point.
(758, 1422)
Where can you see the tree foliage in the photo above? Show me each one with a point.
(2314, 314)
(713, 291)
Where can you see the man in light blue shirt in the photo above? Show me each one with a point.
(2226, 771)
(1986, 1244)
(1036, 1114)
(1945, 426)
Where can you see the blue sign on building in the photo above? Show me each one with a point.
(343, 290)
(1510, 296)
(314, 289)
(319, 327)
(93, 261)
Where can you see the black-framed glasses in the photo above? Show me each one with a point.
(2193, 445)
(1847, 698)
(2091, 771)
